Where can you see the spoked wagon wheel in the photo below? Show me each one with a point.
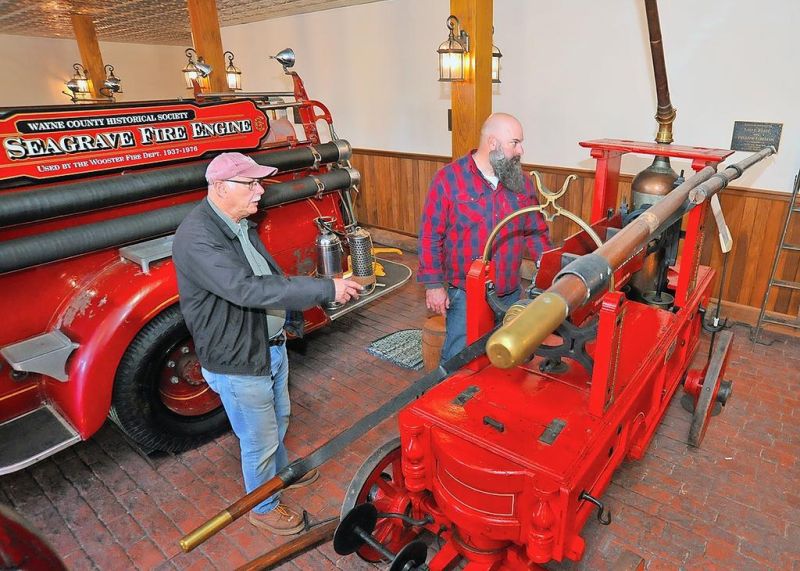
(713, 392)
(379, 481)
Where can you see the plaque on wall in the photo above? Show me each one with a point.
(753, 136)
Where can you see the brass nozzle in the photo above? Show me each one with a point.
(199, 535)
(522, 334)
(665, 120)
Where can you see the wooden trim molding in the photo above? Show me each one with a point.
(566, 171)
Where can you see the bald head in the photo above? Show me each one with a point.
(500, 150)
(501, 126)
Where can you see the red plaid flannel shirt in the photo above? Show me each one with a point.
(460, 211)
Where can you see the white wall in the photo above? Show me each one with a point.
(582, 69)
(33, 70)
(374, 65)
(571, 71)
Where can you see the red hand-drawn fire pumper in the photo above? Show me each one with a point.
(89, 198)
(505, 451)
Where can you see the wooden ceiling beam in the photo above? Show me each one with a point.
(89, 49)
(207, 40)
(471, 99)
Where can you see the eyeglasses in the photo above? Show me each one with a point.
(251, 184)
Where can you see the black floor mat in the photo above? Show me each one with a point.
(403, 348)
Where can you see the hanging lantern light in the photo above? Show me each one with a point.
(233, 74)
(453, 52)
(496, 55)
(78, 84)
(196, 70)
(112, 84)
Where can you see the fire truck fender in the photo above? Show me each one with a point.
(104, 317)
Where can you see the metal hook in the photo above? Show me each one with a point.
(716, 325)
(601, 508)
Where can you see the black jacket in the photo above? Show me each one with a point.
(224, 303)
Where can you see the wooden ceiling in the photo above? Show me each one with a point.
(143, 21)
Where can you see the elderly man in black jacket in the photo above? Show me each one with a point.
(237, 305)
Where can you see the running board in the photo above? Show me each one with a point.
(32, 437)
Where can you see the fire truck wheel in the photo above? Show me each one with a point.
(379, 481)
(160, 398)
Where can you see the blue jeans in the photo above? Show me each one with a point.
(455, 338)
(258, 408)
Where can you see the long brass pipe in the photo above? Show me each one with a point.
(517, 339)
(666, 112)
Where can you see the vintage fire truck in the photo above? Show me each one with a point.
(505, 451)
(89, 198)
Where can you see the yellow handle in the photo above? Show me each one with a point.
(397, 251)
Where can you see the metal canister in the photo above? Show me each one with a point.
(650, 187)
(362, 261)
(329, 249)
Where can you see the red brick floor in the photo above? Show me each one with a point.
(734, 504)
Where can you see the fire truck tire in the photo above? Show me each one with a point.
(137, 406)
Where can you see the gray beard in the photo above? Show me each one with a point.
(508, 171)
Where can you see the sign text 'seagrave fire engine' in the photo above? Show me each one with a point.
(90, 196)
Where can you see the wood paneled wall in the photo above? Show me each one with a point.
(394, 186)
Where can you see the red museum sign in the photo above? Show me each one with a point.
(76, 140)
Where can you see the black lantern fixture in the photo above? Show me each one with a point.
(233, 74)
(78, 84)
(112, 84)
(453, 52)
(196, 69)
(496, 55)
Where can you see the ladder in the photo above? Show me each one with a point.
(794, 208)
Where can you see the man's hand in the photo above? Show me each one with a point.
(346, 290)
(436, 299)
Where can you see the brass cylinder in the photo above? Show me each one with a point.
(209, 528)
(510, 345)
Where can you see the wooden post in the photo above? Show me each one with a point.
(91, 57)
(208, 41)
(472, 98)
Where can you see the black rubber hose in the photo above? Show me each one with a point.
(42, 203)
(69, 242)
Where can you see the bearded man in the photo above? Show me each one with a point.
(466, 199)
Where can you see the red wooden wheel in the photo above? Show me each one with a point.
(380, 482)
(710, 391)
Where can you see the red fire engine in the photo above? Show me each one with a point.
(89, 198)
(506, 458)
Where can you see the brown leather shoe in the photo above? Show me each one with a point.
(310, 477)
(283, 520)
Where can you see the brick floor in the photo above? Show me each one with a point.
(734, 504)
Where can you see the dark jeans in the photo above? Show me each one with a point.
(456, 335)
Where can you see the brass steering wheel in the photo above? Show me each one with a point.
(549, 200)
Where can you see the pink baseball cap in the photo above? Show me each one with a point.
(228, 165)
